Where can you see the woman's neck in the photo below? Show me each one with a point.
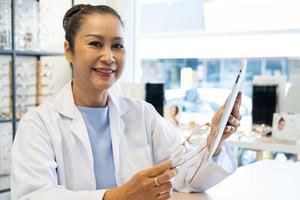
(88, 98)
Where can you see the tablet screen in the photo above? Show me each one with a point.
(228, 109)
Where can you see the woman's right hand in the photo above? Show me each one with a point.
(144, 186)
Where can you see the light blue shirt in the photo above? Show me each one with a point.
(97, 123)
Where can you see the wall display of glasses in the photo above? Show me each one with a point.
(32, 23)
(45, 82)
(5, 102)
(4, 191)
(5, 148)
(25, 81)
(27, 22)
(33, 83)
(5, 196)
(5, 24)
(5, 114)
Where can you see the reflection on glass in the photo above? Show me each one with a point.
(5, 24)
(25, 84)
(5, 149)
(4, 88)
(4, 107)
(47, 85)
(34, 84)
(32, 24)
(27, 24)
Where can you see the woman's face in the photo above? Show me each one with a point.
(173, 111)
(281, 124)
(99, 55)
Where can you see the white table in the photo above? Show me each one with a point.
(262, 180)
(189, 196)
(263, 144)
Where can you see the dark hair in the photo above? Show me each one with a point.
(74, 17)
(176, 109)
(281, 120)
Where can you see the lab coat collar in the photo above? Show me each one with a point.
(64, 102)
(65, 105)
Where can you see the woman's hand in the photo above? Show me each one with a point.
(232, 125)
(149, 184)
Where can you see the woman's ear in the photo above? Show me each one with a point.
(68, 52)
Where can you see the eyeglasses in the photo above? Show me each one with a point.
(191, 147)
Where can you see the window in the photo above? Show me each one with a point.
(203, 52)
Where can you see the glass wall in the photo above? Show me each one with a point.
(199, 59)
(200, 86)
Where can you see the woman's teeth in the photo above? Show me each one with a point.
(105, 71)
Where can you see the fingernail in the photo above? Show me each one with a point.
(235, 122)
(238, 103)
(173, 172)
(230, 128)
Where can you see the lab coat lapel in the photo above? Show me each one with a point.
(64, 104)
(117, 109)
(78, 128)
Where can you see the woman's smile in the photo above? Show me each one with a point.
(104, 72)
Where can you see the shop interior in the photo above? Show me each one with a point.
(182, 56)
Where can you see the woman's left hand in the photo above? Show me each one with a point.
(232, 125)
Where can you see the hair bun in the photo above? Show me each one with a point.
(71, 12)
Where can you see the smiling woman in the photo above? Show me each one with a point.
(99, 42)
(87, 143)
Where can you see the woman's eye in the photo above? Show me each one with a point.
(118, 46)
(95, 44)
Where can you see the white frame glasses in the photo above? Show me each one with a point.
(190, 148)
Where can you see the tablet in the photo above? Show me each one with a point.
(228, 109)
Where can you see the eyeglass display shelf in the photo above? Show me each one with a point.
(9, 120)
(4, 184)
(5, 190)
(5, 120)
(30, 53)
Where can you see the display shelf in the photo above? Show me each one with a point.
(6, 120)
(6, 52)
(38, 53)
(30, 53)
(5, 190)
(16, 51)
(9, 120)
(4, 184)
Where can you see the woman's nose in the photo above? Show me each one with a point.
(107, 55)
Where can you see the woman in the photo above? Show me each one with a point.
(173, 115)
(87, 143)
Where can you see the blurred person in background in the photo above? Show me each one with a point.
(173, 115)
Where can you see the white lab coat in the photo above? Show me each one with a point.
(52, 156)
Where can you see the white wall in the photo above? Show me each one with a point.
(222, 46)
